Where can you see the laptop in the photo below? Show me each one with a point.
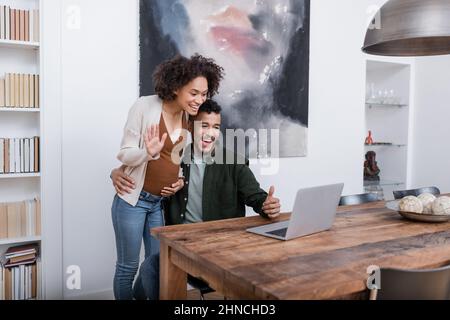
(314, 211)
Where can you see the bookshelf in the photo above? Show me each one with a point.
(21, 119)
(388, 115)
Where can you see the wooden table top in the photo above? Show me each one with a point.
(326, 265)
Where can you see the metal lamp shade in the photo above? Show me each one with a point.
(410, 28)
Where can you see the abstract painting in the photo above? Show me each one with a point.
(263, 45)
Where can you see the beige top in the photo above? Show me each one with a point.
(133, 154)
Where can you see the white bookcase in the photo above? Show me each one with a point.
(23, 57)
(388, 115)
(45, 58)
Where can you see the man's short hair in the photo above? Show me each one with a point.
(210, 106)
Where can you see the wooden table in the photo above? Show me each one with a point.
(326, 265)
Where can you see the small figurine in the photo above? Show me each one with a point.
(369, 139)
(371, 170)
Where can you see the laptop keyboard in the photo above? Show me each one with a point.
(279, 232)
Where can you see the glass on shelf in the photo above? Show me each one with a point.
(382, 96)
(370, 92)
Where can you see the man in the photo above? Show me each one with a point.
(213, 188)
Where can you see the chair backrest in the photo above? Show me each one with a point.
(398, 194)
(358, 199)
(432, 284)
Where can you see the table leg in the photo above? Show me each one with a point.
(173, 280)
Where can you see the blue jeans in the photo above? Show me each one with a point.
(131, 225)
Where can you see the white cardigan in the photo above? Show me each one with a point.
(133, 154)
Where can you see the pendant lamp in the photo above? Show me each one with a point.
(410, 28)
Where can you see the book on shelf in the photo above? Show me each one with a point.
(26, 25)
(19, 90)
(16, 92)
(19, 155)
(26, 256)
(19, 255)
(2, 25)
(2, 93)
(20, 280)
(7, 90)
(19, 24)
(12, 26)
(2, 156)
(17, 31)
(20, 219)
(22, 25)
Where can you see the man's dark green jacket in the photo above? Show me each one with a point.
(227, 189)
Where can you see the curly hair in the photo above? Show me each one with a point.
(210, 106)
(175, 73)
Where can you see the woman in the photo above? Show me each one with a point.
(153, 129)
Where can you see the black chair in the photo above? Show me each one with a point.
(398, 194)
(397, 284)
(199, 285)
(358, 199)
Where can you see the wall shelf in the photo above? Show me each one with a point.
(19, 44)
(8, 241)
(2, 109)
(389, 123)
(19, 175)
(383, 144)
(382, 182)
(386, 105)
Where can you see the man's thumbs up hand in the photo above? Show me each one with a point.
(271, 205)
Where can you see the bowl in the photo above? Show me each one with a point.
(422, 217)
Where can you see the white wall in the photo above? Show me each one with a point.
(99, 84)
(99, 80)
(336, 108)
(432, 129)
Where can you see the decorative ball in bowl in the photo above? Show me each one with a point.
(425, 207)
